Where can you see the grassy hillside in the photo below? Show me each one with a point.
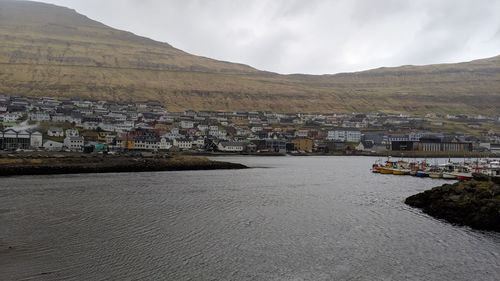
(53, 51)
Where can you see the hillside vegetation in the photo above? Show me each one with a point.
(46, 50)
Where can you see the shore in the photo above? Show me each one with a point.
(405, 154)
(107, 164)
(475, 203)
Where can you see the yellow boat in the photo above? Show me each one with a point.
(386, 170)
(400, 172)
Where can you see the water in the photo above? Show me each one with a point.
(291, 218)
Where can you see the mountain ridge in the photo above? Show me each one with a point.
(54, 51)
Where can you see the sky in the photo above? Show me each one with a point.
(311, 36)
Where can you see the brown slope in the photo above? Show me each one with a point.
(50, 50)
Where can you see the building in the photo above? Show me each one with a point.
(11, 139)
(72, 133)
(303, 144)
(11, 117)
(432, 144)
(39, 116)
(74, 143)
(187, 124)
(436, 144)
(53, 145)
(183, 144)
(302, 133)
(55, 132)
(344, 135)
(231, 146)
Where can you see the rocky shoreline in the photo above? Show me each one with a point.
(475, 203)
(74, 165)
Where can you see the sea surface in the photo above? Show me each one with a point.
(287, 218)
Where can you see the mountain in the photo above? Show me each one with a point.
(47, 50)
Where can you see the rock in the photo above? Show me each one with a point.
(476, 204)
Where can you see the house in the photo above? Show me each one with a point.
(302, 133)
(72, 133)
(366, 145)
(61, 118)
(183, 144)
(39, 116)
(74, 143)
(145, 142)
(335, 146)
(187, 124)
(164, 144)
(230, 146)
(202, 127)
(199, 142)
(217, 133)
(53, 145)
(303, 144)
(55, 132)
(275, 145)
(11, 117)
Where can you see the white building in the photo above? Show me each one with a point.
(302, 133)
(39, 116)
(11, 139)
(36, 139)
(55, 132)
(74, 143)
(72, 133)
(256, 129)
(344, 135)
(217, 133)
(53, 145)
(146, 143)
(187, 124)
(200, 142)
(228, 146)
(90, 125)
(203, 128)
(11, 117)
(183, 144)
(164, 144)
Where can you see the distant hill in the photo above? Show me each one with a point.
(47, 50)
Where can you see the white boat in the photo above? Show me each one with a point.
(449, 176)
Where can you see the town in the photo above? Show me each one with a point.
(86, 126)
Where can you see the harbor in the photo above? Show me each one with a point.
(452, 169)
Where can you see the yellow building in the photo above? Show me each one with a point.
(303, 144)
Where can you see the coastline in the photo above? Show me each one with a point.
(404, 154)
(475, 203)
(107, 164)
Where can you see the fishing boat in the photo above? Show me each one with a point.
(376, 168)
(464, 176)
(422, 174)
(449, 176)
(386, 170)
(435, 172)
(401, 172)
(389, 167)
(460, 172)
(401, 168)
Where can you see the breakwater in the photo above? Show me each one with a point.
(109, 164)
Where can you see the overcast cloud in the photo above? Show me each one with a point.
(311, 36)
